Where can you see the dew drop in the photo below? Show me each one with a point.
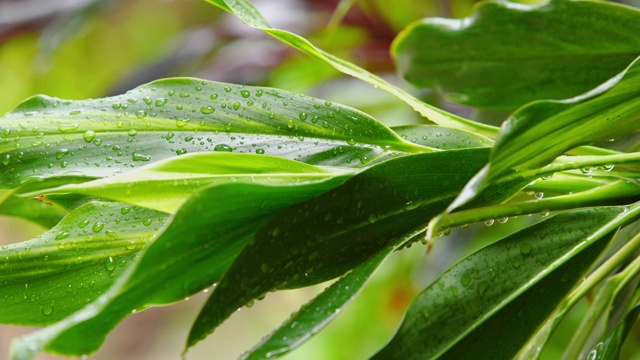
(245, 93)
(6, 158)
(125, 210)
(539, 195)
(303, 116)
(67, 127)
(182, 122)
(465, 280)
(97, 226)
(184, 95)
(236, 105)
(260, 151)
(161, 101)
(207, 109)
(109, 264)
(489, 222)
(141, 114)
(181, 151)
(47, 310)
(586, 170)
(89, 135)
(140, 157)
(227, 89)
(83, 223)
(61, 153)
(525, 249)
(62, 235)
(132, 132)
(223, 147)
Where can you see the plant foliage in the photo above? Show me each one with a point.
(182, 183)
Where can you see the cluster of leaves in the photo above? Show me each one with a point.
(182, 183)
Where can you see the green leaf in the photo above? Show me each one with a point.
(609, 347)
(441, 137)
(608, 112)
(316, 314)
(46, 137)
(59, 272)
(245, 11)
(501, 294)
(506, 54)
(316, 241)
(195, 249)
(179, 177)
(30, 209)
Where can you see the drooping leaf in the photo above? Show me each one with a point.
(507, 54)
(195, 249)
(608, 112)
(46, 137)
(501, 294)
(165, 185)
(245, 11)
(316, 314)
(316, 241)
(45, 279)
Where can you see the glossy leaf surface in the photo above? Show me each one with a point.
(508, 54)
(46, 137)
(523, 276)
(316, 314)
(608, 112)
(316, 241)
(165, 185)
(59, 272)
(195, 249)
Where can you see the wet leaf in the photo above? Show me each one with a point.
(166, 184)
(316, 241)
(608, 112)
(195, 249)
(316, 314)
(45, 279)
(46, 137)
(33, 210)
(441, 137)
(245, 11)
(501, 294)
(506, 54)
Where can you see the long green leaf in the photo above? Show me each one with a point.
(507, 54)
(46, 137)
(316, 314)
(195, 249)
(45, 279)
(491, 302)
(317, 241)
(608, 112)
(165, 185)
(245, 11)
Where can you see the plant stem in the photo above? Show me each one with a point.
(593, 197)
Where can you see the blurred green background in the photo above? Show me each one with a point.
(76, 49)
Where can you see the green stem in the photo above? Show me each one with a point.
(593, 197)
